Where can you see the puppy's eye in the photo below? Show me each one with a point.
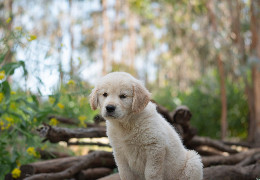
(105, 94)
(122, 96)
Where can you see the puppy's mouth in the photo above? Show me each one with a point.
(110, 115)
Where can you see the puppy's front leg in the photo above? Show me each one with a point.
(123, 168)
(155, 164)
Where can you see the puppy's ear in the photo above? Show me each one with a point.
(93, 99)
(141, 97)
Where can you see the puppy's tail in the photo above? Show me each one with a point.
(194, 167)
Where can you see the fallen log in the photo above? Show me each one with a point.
(56, 134)
(180, 119)
(250, 159)
(228, 160)
(93, 174)
(208, 151)
(98, 119)
(84, 163)
(205, 141)
(88, 144)
(111, 177)
(227, 172)
(221, 172)
(60, 164)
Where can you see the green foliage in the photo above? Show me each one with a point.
(18, 118)
(165, 97)
(204, 102)
(142, 7)
(21, 113)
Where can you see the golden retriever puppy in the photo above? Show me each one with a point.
(145, 146)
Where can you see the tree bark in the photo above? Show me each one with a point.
(132, 39)
(199, 141)
(9, 8)
(93, 174)
(71, 40)
(57, 134)
(84, 163)
(228, 160)
(255, 52)
(106, 31)
(224, 125)
(225, 172)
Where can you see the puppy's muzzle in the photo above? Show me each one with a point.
(110, 108)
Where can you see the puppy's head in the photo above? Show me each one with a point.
(118, 94)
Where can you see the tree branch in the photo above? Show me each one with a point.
(57, 134)
(70, 172)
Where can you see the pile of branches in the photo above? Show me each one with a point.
(221, 160)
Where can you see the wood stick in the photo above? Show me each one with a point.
(225, 172)
(198, 141)
(88, 144)
(228, 160)
(56, 134)
(93, 174)
(71, 171)
(60, 164)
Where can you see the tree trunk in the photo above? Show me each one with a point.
(106, 29)
(9, 8)
(224, 125)
(116, 26)
(132, 39)
(71, 40)
(255, 52)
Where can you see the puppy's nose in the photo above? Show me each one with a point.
(110, 108)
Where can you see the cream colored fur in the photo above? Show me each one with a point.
(145, 146)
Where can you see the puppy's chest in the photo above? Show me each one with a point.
(135, 156)
(132, 148)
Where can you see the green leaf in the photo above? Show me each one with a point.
(6, 90)
(35, 100)
(10, 67)
(2, 57)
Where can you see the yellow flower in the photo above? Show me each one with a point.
(16, 173)
(31, 151)
(1, 97)
(18, 28)
(10, 120)
(2, 75)
(31, 38)
(51, 100)
(2, 125)
(61, 106)
(54, 122)
(71, 82)
(13, 92)
(82, 118)
(8, 20)
(13, 106)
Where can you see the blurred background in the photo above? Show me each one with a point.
(204, 54)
